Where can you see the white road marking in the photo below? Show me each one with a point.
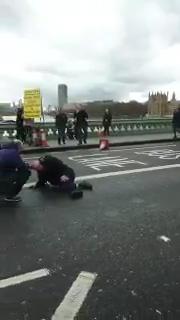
(125, 172)
(118, 173)
(73, 300)
(164, 154)
(23, 278)
(32, 158)
(164, 238)
(120, 150)
(113, 150)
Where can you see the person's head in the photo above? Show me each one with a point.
(36, 165)
(107, 111)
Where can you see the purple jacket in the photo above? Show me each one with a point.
(10, 159)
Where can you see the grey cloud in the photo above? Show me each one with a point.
(14, 14)
(101, 68)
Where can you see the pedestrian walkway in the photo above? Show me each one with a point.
(94, 142)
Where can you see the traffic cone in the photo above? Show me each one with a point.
(35, 138)
(44, 142)
(104, 144)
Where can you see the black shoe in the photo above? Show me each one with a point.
(85, 141)
(84, 185)
(76, 194)
(59, 141)
(12, 199)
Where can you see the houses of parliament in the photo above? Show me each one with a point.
(159, 104)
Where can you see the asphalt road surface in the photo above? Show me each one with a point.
(125, 234)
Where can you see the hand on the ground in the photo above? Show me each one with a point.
(33, 187)
(64, 179)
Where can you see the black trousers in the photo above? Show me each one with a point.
(68, 186)
(61, 135)
(20, 133)
(175, 130)
(82, 133)
(106, 129)
(11, 183)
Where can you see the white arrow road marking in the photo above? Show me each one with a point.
(73, 300)
(23, 278)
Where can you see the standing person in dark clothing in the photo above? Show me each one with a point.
(14, 172)
(20, 125)
(176, 122)
(81, 118)
(61, 122)
(107, 121)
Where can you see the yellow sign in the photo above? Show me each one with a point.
(32, 104)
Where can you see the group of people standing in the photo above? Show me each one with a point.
(78, 129)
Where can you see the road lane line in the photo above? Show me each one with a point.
(117, 173)
(73, 300)
(12, 281)
(125, 172)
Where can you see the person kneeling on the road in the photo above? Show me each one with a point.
(53, 170)
(14, 172)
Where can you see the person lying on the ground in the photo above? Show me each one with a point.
(14, 172)
(52, 170)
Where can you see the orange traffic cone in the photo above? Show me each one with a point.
(44, 142)
(103, 143)
(35, 138)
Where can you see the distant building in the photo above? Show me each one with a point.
(62, 95)
(5, 109)
(158, 104)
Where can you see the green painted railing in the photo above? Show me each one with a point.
(119, 128)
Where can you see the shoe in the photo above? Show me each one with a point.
(12, 199)
(85, 142)
(84, 185)
(76, 194)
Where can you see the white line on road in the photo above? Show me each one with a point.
(73, 300)
(119, 150)
(117, 173)
(23, 278)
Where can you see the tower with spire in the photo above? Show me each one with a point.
(158, 104)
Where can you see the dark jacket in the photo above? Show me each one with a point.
(19, 118)
(61, 120)
(54, 168)
(176, 119)
(81, 118)
(107, 119)
(10, 160)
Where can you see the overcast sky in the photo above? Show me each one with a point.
(102, 49)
